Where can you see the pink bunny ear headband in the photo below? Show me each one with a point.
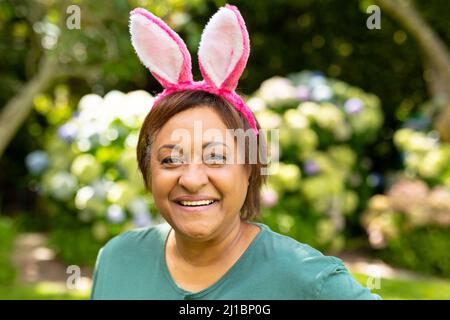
(222, 55)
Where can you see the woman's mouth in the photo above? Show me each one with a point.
(195, 203)
(199, 205)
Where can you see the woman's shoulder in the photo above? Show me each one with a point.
(135, 239)
(291, 254)
(301, 264)
(286, 247)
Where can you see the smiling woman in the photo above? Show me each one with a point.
(206, 186)
(200, 194)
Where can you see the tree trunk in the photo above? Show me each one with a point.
(436, 56)
(19, 107)
(438, 89)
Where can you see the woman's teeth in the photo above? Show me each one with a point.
(196, 203)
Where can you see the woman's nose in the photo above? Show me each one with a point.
(193, 177)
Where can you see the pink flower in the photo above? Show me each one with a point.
(269, 197)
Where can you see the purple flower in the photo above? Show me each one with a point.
(311, 167)
(142, 219)
(302, 92)
(67, 132)
(353, 105)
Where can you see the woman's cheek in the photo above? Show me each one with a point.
(223, 178)
(162, 183)
(231, 182)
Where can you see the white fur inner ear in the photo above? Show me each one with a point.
(221, 45)
(156, 49)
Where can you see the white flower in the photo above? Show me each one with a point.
(132, 140)
(419, 142)
(86, 167)
(140, 102)
(115, 214)
(268, 119)
(277, 88)
(329, 117)
(433, 163)
(309, 109)
(90, 102)
(101, 187)
(142, 219)
(121, 193)
(62, 185)
(296, 119)
(321, 92)
(83, 196)
(137, 205)
(256, 104)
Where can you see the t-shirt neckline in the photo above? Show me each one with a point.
(216, 284)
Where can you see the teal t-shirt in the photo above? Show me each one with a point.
(133, 266)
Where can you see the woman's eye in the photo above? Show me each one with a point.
(215, 159)
(172, 161)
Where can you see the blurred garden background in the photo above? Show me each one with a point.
(363, 113)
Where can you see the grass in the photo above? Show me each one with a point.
(41, 291)
(399, 289)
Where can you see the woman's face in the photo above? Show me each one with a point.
(197, 193)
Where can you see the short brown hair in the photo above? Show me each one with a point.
(233, 119)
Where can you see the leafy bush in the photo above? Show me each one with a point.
(323, 178)
(88, 173)
(410, 224)
(424, 249)
(7, 236)
(75, 246)
(424, 155)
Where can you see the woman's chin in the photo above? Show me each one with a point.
(196, 230)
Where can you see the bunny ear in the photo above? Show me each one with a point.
(224, 48)
(159, 48)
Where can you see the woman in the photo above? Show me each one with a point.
(207, 188)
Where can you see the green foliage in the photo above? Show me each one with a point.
(75, 245)
(7, 236)
(423, 249)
